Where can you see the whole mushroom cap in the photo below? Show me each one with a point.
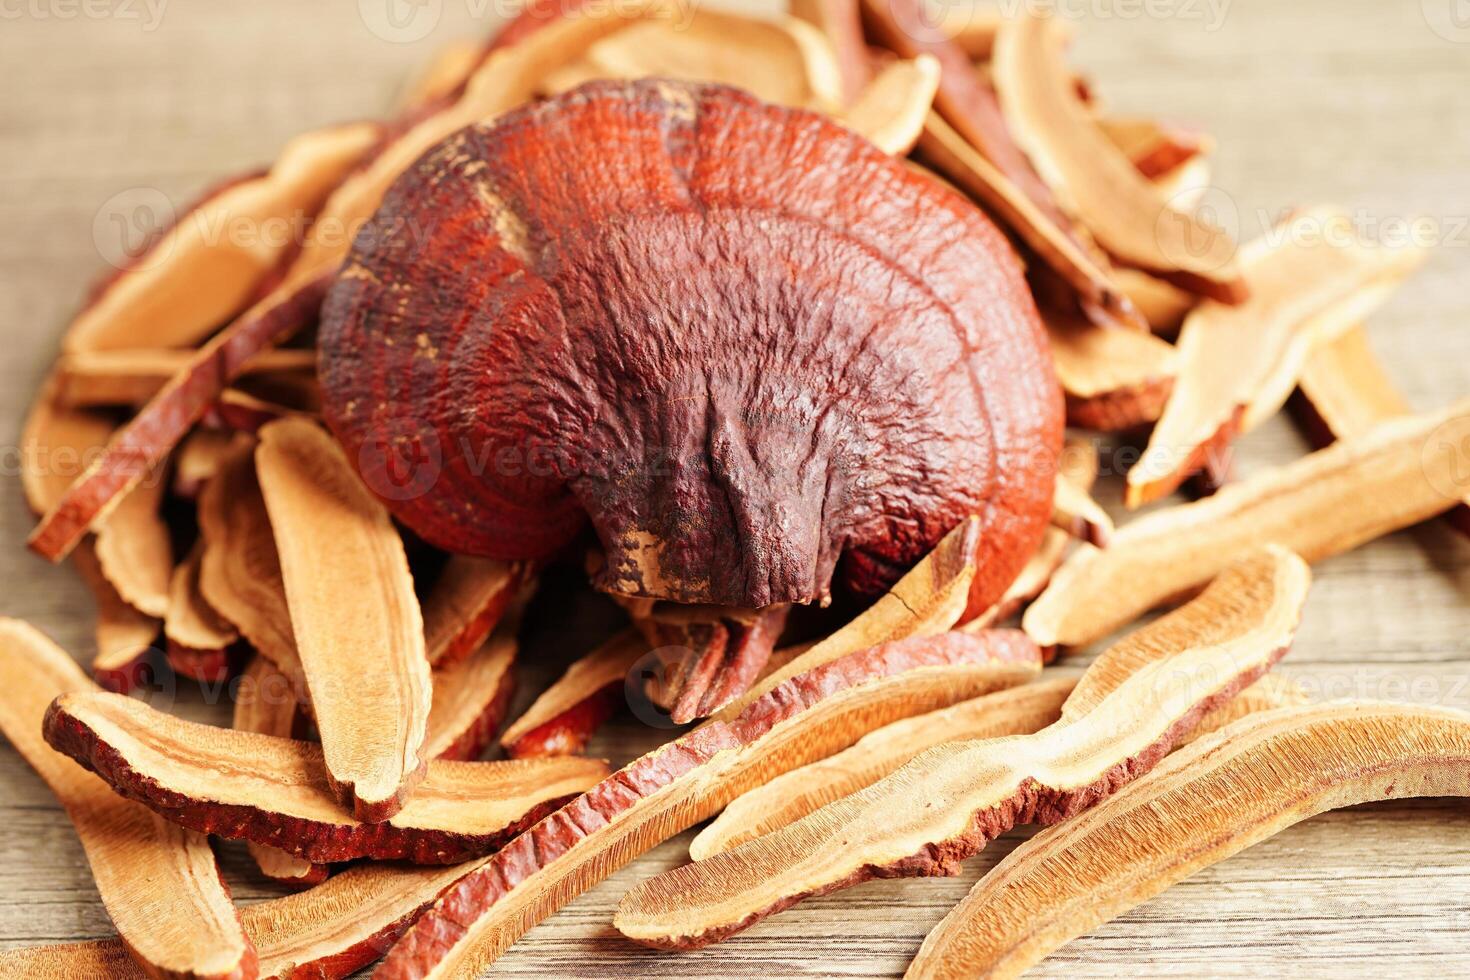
(739, 339)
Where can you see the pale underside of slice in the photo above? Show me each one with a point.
(1403, 472)
(158, 882)
(1311, 278)
(1114, 379)
(465, 604)
(1223, 794)
(563, 718)
(1130, 709)
(471, 697)
(359, 630)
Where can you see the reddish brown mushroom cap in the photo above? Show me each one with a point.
(739, 338)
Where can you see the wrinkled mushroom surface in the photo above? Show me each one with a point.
(739, 338)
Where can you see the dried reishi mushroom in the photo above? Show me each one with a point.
(1310, 278)
(789, 797)
(471, 697)
(1128, 711)
(132, 377)
(240, 575)
(209, 265)
(1131, 217)
(1345, 392)
(1114, 380)
(1032, 581)
(199, 639)
(565, 716)
(1019, 711)
(946, 150)
(841, 23)
(276, 791)
(669, 790)
(721, 451)
(892, 109)
(1162, 305)
(358, 626)
(1403, 472)
(159, 883)
(331, 930)
(1225, 793)
(124, 636)
(785, 61)
(266, 704)
(444, 75)
(706, 656)
(1155, 148)
(1073, 509)
(465, 604)
(507, 78)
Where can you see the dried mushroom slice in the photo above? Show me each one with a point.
(471, 697)
(465, 604)
(90, 379)
(199, 639)
(1130, 217)
(892, 109)
(158, 882)
(1128, 711)
(1311, 277)
(1403, 472)
(359, 629)
(565, 716)
(840, 22)
(785, 61)
(277, 792)
(736, 470)
(1114, 380)
(1214, 799)
(195, 277)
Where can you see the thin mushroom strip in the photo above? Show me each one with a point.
(674, 787)
(364, 658)
(182, 925)
(565, 716)
(1214, 799)
(275, 791)
(1019, 711)
(1130, 709)
(1403, 472)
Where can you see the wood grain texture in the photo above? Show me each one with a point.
(1356, 102)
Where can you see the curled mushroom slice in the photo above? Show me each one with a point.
(1114, 379)
(1403, 472)
(706, 657)
(131, 377)
(266, 704)
(1128, 711)
(1073, 509)
(565, 716)
(471, 697)
(1311, 278)
(199, 639)
(675, 786)
(208, 266)
(841, 24)
(123, 635)
(1096, 180)
(277, 791)
(785, 61)
(465, 604)
(507, 78)
(1162, 305)
(1191, 812)
(892, 109)
(1154, 147)
(159, 883)
(363, 658)
(729, 476)
(445, 74)
(1345, 392)
(1032, 581)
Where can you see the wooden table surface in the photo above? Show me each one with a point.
(1361, 102)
